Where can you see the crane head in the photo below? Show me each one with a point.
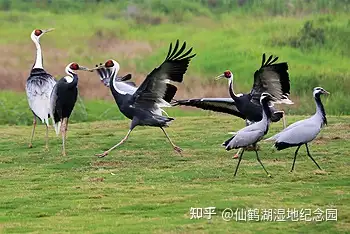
(319, 90)
(37, 33)
(227, 74)
(73, 67)
(107, 71)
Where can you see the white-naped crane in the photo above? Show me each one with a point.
(38, 87)
(63, 98)
(143, 105)
(253, 133)
(271, 77)
(304, 131)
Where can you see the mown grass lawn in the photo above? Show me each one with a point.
(145, 187)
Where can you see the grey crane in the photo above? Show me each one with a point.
(304, 131)
(63, 98)
(143, 104)
(253, 133)
(38, 87)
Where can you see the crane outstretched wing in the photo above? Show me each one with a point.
(272, 78)
(156, 84)
(224, 105)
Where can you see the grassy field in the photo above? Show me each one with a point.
(145, 187)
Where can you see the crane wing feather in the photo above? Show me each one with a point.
(272, 78)
(224, 105)
(154, 87)
(38, 89)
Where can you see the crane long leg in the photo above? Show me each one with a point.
(121, 142)
(295, 157)
(239, 161)
(33, 131)
(257, 157)
(64, 127)
(284, 120)
(308, 153)
(47, 137)
(176, 148)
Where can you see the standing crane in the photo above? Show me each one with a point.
(271, 77)
(62, 100)
(143, 105)
(38, 87)
(304, 131)
(253, 133)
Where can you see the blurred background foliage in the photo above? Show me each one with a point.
(312, 36)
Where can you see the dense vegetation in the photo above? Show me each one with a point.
(311, 35)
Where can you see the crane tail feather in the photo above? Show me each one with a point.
(57, 127)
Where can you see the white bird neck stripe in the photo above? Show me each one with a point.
(69, 79)
(118, 86)
(39, 58)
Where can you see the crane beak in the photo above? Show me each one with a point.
(97, 67)
(48, 30)
(84, 69)
(326, 92)
(219, 77)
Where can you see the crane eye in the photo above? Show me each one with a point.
(74, 66)
(227, 74)
(109, 63)
(38, 32)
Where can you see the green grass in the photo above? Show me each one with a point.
(145, 187)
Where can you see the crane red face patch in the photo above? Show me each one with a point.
(74, 66)
(227, 74)
(38, 32)
(109, 63)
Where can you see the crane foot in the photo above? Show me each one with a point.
(30, 145)
(269, 175)
(103, 154)
(178, 149)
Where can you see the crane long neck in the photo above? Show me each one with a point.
(112, 81)
(266, 112)
(39, 57)
(230, 89)
(320, 111)
(74, 82)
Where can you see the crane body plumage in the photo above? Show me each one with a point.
(62, 100)
(143, 105)
(270, 77)
(303, 131)
(253, 133)
(39, 86)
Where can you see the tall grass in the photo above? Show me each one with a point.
(312, 36)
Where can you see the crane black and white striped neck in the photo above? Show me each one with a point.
(320, 111)
(39, 86)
